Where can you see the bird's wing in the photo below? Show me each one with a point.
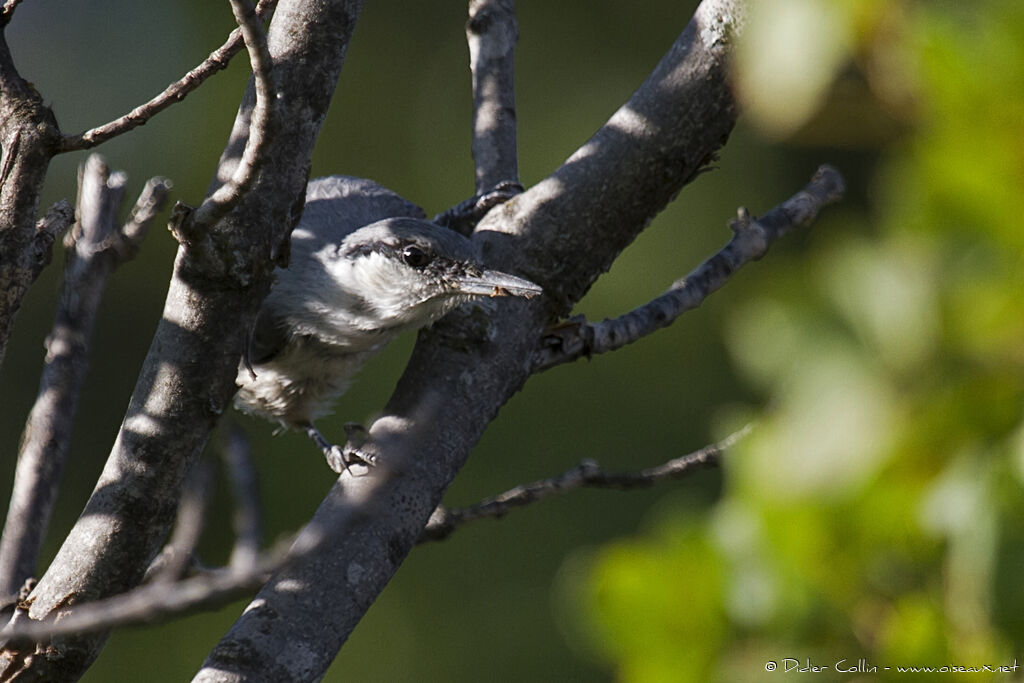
(337, 205)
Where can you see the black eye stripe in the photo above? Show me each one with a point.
(440, 265)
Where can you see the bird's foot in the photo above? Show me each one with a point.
(340, 459)
(358, 446)
(464, 216)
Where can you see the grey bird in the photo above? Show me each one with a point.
(365, 266)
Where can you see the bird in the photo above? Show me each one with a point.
(365, 266)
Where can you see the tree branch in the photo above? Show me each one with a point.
(175, 92)
(751, 239)
(55, 223)
(29, 138)
(586, 474)
(248, 524)
(563, 233)
(94, 249)
(492, 33)
(150, 603)
(188, 377)
(178, 555)
(162, 600)
(189, 227)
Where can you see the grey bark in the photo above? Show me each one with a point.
(94, 248)
(562, 233)
(492, 33)
(188, 377)
(28, 139)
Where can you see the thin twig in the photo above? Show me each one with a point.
(161, 600)
(175, 92)
(177, 556)
(751, 239)
(248, 524)
(95, 247)
(151, 602)
(586, 474)
(151, 200)
(188, 226)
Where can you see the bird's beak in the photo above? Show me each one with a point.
(495, 283)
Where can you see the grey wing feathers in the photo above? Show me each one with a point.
(337, 205)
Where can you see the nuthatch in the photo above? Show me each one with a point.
(364, 268)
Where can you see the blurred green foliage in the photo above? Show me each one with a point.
(876, 511)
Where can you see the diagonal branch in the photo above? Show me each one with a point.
(586, 474)
(178, 556)
(751, 239)
(175, 92)
(95, 247)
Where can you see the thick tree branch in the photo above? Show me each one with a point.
(95, 247)
(188, 377)
(175, 92)
(563, 233)
(28, 140)
(751, 239)
(586, 474)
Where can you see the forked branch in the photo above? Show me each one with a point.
(95, 247)
(751, 239)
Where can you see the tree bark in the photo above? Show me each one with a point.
(562, 233)
(188, 377)
(29, 138)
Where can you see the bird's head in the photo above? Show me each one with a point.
(403, 272)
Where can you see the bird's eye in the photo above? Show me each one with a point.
(415, 257)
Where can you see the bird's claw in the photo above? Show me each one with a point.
(464, 216)
(358, 447)
(342, 458)
(357, 451)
